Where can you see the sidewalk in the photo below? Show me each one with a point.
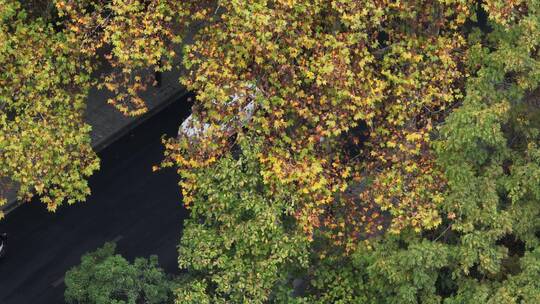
(108, 124)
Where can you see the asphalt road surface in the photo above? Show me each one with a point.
(130, 204)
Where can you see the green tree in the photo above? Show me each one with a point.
(488, 149)
(104, 277)
(241, 242)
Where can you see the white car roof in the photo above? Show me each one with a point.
(192, 128)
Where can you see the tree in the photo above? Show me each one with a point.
(316, 70)
(486, 250)
(489, 153)
(104, 277)
(241, 243)
(49, 50)
(135, 36)
(44, 142)
(472, 232)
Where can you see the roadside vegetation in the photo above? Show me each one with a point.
(340, 151)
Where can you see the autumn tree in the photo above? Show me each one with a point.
(48, 51)
(44, 142)
(463, 208)
(315, 72)
(135, 38)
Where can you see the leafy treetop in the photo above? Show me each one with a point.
(44, 142)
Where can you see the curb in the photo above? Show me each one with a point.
(177, 94)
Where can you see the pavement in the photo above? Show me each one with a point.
(108, 124)
(130, 204)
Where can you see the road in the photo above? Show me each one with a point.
(130, 204)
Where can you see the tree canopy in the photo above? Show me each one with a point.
(339, 151)
(447, 207)
(318, 71)
(105, 277)
(241, 239)
(44, 142)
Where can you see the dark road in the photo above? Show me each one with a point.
(130, 204)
